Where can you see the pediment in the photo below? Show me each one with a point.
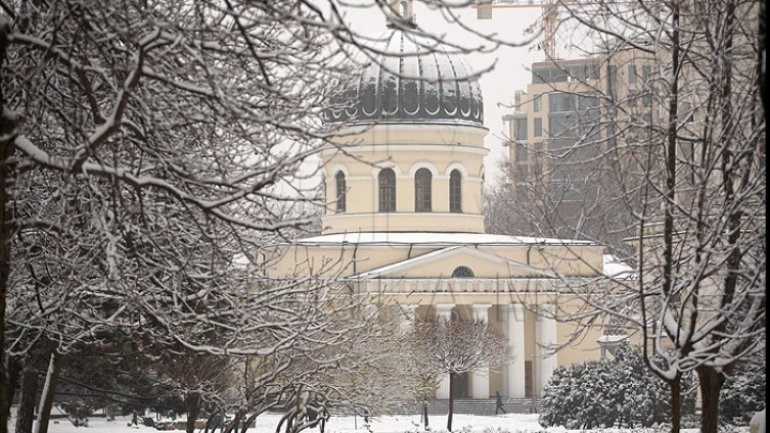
(442, 262)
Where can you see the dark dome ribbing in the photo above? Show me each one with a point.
(411, 86)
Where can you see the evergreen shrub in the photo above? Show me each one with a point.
(620, 392)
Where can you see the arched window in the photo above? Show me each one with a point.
(387, 185)
(342, 191)
(455, 191)
(422, 190)
(462, 272)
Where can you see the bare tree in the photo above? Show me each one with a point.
(456, 347)
(419, 370)
(152, 141)
(144, 146)
(685, 146)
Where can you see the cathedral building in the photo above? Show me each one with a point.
(404, 220)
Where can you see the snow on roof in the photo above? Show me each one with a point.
(612, 338)
(433, 238)
(614, 268)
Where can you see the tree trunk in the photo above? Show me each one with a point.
(233, 425)
(193, 405)
(710, 383)
(676, 405)
(290, 422)
(210, 423)
(425, 414)
(248, 422)
(451, 401)
(26, 414)
(761, 53)
(14, 371)
(49, 389)
(7, 134)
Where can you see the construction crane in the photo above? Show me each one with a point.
(548, 7)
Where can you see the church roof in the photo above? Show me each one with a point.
(413, 81)
(433, 239)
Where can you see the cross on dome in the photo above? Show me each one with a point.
(401, 14)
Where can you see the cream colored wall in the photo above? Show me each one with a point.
(413, 134)
(403, 222)
(339, 260)
(584, 349)
(574, 260)
(405, 148)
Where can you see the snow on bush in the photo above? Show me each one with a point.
(619, 392)
(742, 395)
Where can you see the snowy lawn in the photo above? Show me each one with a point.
(266, 423)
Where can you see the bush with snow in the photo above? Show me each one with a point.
(618, 392)
(742, 395)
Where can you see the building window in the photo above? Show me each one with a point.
(572, 114)
(561, 124)
(520, 129)
(341, 191)
(646, 73)
(422, 190)
(538, 127)
(537, 103)
(455, 192)
(558, 102)
(521, 160)
(632, 76)
(387, 187)
(462, 272)
(612, 81)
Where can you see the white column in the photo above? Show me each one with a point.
(546, 339)
(480, 376)
(443, 312)
(516, 376)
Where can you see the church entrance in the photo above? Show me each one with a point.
(460, 386)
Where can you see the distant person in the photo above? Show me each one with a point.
(499, 403)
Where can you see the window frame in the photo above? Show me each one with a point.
(423, 190)
(386, 188)
(537, 127)
(463, 271)
(341, 188)
(455, 191)
(520, 132)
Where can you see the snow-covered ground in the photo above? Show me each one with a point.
(266, 423)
